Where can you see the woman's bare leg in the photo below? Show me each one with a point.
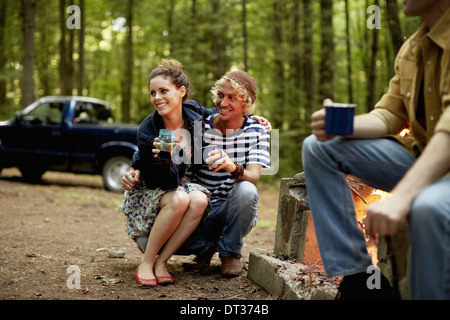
(190, 221)
(173, 207)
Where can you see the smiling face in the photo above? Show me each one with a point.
(165, 96)
(228, 102)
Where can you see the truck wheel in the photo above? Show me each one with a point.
(31, 174)
(113, 171)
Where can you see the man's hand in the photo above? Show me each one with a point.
(252, 171)
(318, 123)
(219, 160)
(384, 217)
(318, 126)
(130, 179)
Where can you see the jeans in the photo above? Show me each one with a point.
(380, 163)
(430, 242)
(226, 225)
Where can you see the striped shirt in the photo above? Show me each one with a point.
(249, 144)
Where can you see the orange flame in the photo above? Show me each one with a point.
(405, 132)
(381, 193)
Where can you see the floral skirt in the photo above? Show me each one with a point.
(141, 207)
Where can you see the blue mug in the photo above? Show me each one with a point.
(339, 119)
(206, 150)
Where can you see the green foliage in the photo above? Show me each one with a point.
(207, 37)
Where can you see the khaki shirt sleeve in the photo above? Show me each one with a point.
(444, 121)
(391, 109)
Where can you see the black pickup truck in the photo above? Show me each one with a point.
(71, 134)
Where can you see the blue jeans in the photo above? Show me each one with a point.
(380, 163)
(226, 225)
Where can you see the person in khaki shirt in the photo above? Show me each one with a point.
(414, 168)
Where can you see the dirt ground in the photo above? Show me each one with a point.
(69, 226)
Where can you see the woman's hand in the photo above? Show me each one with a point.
(262, 121)
(157, 144)
(130, 179)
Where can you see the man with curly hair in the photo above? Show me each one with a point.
(242, 151)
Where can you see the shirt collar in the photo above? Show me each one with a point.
(440, 34)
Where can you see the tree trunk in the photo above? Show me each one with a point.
(193, 26)
(170, 26)
(43, 60)
(279, 77)
(244, 33)
(80, 83)
(28, 28)
(296, 73)
(308, 74)
(349, 54)
(63, 70)
(3, 6)
(371, 83)
(218, 35)
(327, 54)
(394, 24)
(127, 84)
(70, 68)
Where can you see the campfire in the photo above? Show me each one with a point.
(363, 196)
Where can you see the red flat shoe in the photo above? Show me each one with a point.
(144, 282)
(165, 280)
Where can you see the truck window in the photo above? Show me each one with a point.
(47, 113)
(92, 113)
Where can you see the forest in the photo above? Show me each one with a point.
(299, 52)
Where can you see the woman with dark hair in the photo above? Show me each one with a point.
(159, 200)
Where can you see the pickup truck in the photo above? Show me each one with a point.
(71, 134)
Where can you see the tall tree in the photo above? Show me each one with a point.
(371, 83)
(64, 75)
(244, 33)
(80, 82)
(349, 53)
(296, 66)
(170, 25)
(395, 26)
(127, 83)
(279, 74)
(3, 58)
(28, 28)
(69, 59)
(327, 54)
(44, 48)
(307, 61)
(218, 40)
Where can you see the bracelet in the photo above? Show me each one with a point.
(239, 172)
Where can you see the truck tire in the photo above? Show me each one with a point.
(113, 171)
(32, 174)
